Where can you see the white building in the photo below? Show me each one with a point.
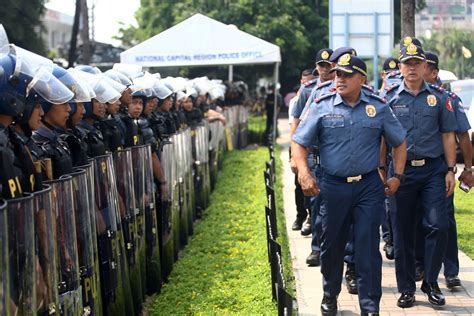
(58, 29)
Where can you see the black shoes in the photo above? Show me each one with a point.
(406, 300)
(306, 229)
(452, 282)
(351, 279)
(389, 251)
(435, 296)
(369, 313)
(297, 224)
(329, 306)
(419, 274)
(314, 259)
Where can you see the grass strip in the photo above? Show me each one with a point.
(464, 214)
(224, 269)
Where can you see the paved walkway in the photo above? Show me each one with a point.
(309, 281)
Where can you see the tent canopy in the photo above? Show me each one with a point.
(199, 41)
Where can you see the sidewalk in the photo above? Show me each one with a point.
(309, 280)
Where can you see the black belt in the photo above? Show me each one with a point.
(351, 179)
(421, 162)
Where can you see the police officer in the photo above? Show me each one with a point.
(348, 126)
(428, 117)
(390, 73)
(192, 114)
(450, 261)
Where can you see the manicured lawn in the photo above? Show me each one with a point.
(464, 213)
(224, 269)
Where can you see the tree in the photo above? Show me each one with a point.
(22, 20)
(299, 27)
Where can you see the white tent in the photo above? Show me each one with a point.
(202, 41)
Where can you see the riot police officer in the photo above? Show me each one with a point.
(428, 117)
(348, 126)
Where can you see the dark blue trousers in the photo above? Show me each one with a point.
(426, 185)
(315, 203)
(358, 204)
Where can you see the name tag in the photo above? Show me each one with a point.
(333, 120)
(401, 110)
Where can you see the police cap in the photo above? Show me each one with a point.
(407, 40)
(411, 52)
(349, 64)
(338, 52)
(432, 59)
(323, 56)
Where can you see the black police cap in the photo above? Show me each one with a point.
(350, 64)
(338, 52)
(407, 40)
(411, 52)
(323, 55)
(432, 59)
(390, 64)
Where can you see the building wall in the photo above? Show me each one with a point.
(441, 14)
(58, 29)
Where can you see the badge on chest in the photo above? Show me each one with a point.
(370, 110)
(431, 100)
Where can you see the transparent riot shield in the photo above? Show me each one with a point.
(243, 126)
(5, 299)
(46, 253)
(138, 157)
(197, 171)
(181, 172)
(23, 267)
(108, 237)
(213, 153)
(204, 144)
(175, 197)
(221, 144)
(127, 208)
(188, 179)
(165, 216)
(86, 238)
(64, 208)
(153, 267)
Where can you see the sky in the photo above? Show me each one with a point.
(108, 14)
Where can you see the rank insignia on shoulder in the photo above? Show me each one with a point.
(392, 87)
(449, 105)
(366, 86)
(375, 96)
(436, 87)
(324, 84)
(310, 82)
(319, 99)
(431, 100)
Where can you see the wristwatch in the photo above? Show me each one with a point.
(453, 169)
(400, 177)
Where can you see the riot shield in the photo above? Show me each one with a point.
(153, 268)
(243, 126)
(213, 153)
(197, 171)
(138, 157)
(46, 252)
(22, 257)
(64, 208)
(113, 293)
(4, 262)
(165, 215)
(86, 238)
(221, 144)
(189, 180)
(204, 146)
(175, 197)
(181, 172)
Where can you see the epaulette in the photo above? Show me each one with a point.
(323, 97)
(452, 94)
(366, 86)
(436, 87)
(393, 73)
(392, 87)
(375, 96)
(324, 84)
(310, 82)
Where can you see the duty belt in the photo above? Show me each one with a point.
(420, 162)
(351, 179)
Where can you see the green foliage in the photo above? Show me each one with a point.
(448, 45)
(256, 129)
(224, 269)
(299, 27)
(464, 213)
(22, 22)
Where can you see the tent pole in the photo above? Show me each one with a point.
(275, 105)
(231, 73)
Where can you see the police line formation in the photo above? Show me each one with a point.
(365, 159)
(103, 175)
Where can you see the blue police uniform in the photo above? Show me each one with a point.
(424, 117)
(351, 189)
(303, 94)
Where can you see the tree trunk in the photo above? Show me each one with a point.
(86, 43)
(75, 31)
(408, 18)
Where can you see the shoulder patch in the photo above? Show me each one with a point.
(366, 86)
(323, 97)
(392, 87)
(324, 84)
(436, 87)
(379, 98)
(310, 82)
